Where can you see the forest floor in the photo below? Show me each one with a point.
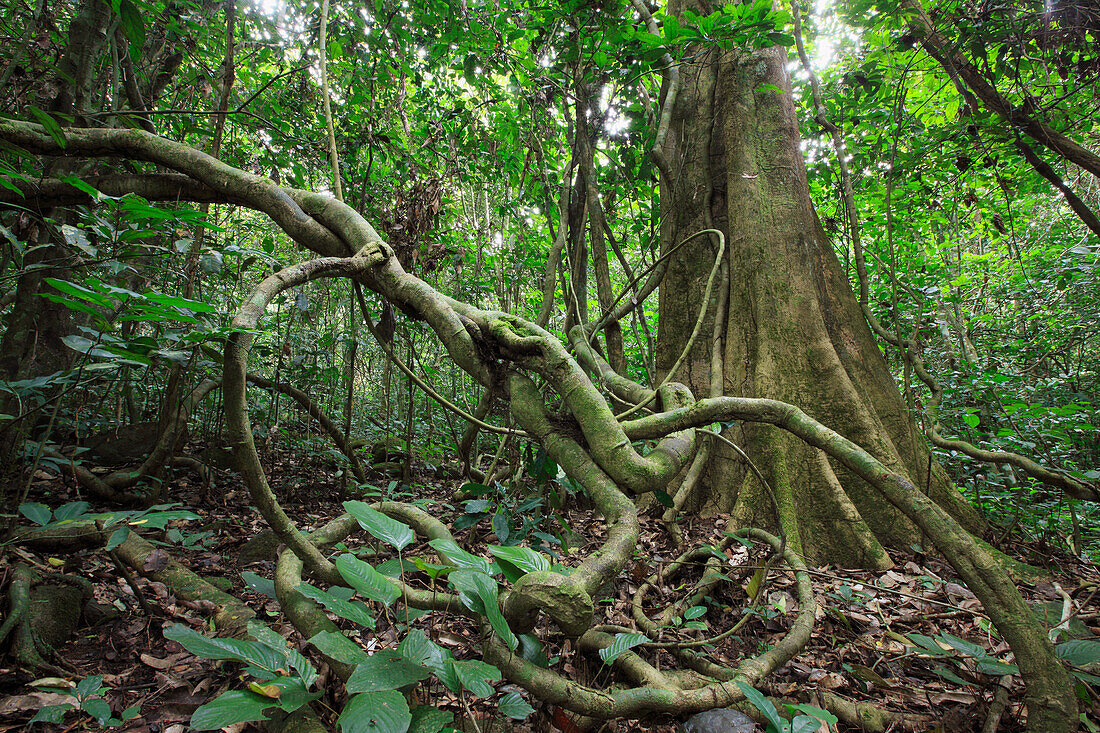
(866, 646)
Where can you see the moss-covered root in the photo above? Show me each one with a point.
(28, 648)
(658, 694)
(866, 717)
(231, 616)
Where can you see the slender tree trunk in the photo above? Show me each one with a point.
(795, 331)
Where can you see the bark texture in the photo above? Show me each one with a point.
(795, 332)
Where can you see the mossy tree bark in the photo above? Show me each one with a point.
(794, 329)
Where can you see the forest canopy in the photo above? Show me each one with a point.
(583, 365)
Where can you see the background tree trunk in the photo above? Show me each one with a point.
(795, 332)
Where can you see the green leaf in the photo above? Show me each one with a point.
(450, 550)
(928, 645)
(996, 667)
(418, 648)
(52, 128)
(469, 69)
(51, 714)
(663, 498)
(385, 670)
(761, 703)
(38, 513)
(242, 650)
(479, 593)
(81, 186)
(335, 645)
(1079, 653)
(963, 646)
(950, 676)
(805, 724)
(376, 712)
(695, 612)
(426, 719)
(531, 649)
(196, 306)
(500, 527)
(88, 686)
(268, 636)
(822, 715)
(80, 291)
(620, 644)
(118, 537)
(98, 708)
(229, 708)
(524, 558)
(514, 706)
(473, 673)
(387, 529)
(259, 584)
(72, 510)
(366, 580)
(353, 611)
(133, 27)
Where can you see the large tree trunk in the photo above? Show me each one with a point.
(794, 332)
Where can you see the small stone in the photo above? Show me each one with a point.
(722, 720)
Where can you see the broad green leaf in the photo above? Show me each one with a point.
(1079, 653)
(366, 580)
(620, 644)
(450, 550)
(385, 670)
(258, 583)
(514, 706)
(928, 645)
(242, 650)
(268, 636)
(947, 674)
(89, 685)
(419, 649)
(133, 27)
(50, 124)
(805, 724)
(376, 712)
(523, 558)
(815, 712)
(695, 612)
(426, 719)
(963, 646)
(996, 667)
(353, 611)
(501, 528)
(339, 647)
(38, 513)
(71, 510)
(230, 708)
(118, 537)
(473, 673)
(51, 714)
(79, 291)
(387, 529)
(176, 302)
(480, 593)
(761, 703)
(531, 649)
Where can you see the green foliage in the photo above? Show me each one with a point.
(807, 719)
(88, 697)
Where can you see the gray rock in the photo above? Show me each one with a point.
(722, 720)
